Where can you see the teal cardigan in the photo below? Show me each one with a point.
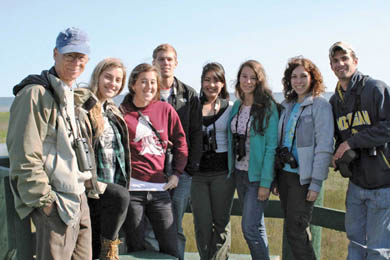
(262, 148)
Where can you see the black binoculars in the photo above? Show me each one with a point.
(239, 145)
(283, 156)
(209, 141)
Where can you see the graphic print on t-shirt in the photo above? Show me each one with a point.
(149, 140)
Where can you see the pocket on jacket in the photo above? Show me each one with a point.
(49, 152)
(305, 131)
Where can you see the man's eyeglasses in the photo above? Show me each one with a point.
(71, 57)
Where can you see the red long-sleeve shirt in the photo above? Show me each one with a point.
(147, 154)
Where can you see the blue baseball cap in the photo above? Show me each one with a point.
(73, 40)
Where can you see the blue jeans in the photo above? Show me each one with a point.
(180, 197)
(367, 222)
(157, 206)
(253, 225)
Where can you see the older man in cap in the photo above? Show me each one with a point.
(361, 108)
(49, 152)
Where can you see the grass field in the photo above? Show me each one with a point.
(334, 243)
(4, 117)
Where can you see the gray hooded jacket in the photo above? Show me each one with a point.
(314, 139)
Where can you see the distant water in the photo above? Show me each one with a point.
(277, 95)
(6, 102)
(3, 150)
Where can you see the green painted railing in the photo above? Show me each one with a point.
(16, 239)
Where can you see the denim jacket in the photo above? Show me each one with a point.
(314, 139)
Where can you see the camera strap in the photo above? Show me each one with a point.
(247, 123)
(158, 136)
(214, 132)
(68, 121)
(295, 129)
(152, 127)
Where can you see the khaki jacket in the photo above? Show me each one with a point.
(43, 163)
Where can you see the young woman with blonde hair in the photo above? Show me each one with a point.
(112, 153)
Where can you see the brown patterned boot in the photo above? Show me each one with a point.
(109, 249)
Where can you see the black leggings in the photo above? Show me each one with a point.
(108, 214)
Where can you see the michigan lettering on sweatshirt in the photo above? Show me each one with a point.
(360, 118)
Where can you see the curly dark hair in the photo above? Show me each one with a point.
(316, 84)
(262, 96)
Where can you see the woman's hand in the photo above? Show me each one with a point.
(275, 190)
(263, 193)
(312, 195)
(173, 180)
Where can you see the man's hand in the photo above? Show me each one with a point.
(312, 195)
(173, 180)
(343, 147)
(263, 193)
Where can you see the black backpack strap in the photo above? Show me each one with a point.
(358, 100)
(49, 87)
(358, 91)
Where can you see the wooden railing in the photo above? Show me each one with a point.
(16, 239)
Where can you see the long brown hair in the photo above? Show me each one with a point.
(262, 96)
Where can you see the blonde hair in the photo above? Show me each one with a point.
(102, 66)
(96, 111)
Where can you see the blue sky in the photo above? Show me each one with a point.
(229, 32)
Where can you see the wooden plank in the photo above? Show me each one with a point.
(16, 237)
(146, 255)
(195, 256)
(324, 217)
(4, 161)
(329, 218)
